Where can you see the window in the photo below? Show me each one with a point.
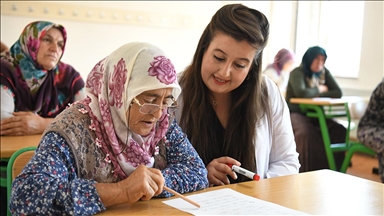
(336, 26)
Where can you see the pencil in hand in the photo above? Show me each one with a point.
(181, 196)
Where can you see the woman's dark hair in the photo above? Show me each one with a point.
(249, 100)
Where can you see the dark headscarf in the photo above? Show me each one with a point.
(308, 58)
(34, 89)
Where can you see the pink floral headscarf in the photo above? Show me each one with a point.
(111, 85)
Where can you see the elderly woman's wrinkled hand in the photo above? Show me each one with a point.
(23, 123)
(142, 184)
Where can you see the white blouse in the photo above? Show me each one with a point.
(275, 150)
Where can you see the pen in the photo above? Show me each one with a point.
(244, 172)
(181, 196)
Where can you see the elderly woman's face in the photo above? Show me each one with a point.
(142, 123)
(318, 63)
(50, 49)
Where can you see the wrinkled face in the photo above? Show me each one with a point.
(50, 49)
(226, 63)
(318, 63)
(141, 123)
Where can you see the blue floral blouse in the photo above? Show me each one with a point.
(49, 184)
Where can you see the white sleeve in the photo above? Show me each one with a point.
(7, 104)
(272, 74)
(283, 159)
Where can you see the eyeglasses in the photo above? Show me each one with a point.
(148, 108)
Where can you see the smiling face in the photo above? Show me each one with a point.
(141, 123)
(50, 49)
(226, 63)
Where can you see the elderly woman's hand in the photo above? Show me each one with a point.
(218, 170)
(24, 123)
(142, 184)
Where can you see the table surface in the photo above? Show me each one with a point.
(327, 101)
(317, 192)
(10, 144)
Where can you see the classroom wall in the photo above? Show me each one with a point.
(372, 55)
(97, 28)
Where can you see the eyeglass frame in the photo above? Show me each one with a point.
(175, 106)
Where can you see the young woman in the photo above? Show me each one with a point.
(231, 112)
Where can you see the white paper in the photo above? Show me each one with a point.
(229, 202)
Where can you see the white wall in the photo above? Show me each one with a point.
(176, 28)
(91, 40)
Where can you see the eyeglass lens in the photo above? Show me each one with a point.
(151, 108)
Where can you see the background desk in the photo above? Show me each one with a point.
(10, 144)
(337, 107)
(318, 192)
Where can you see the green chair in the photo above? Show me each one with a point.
(350, 147)
(3, 169)
(15, 165)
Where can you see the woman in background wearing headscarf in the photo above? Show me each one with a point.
(35, 85)
(312, 79)
(119, 145)
(279, 70)
(370, 130)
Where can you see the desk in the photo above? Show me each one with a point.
(313, 107)
(321, 192)
(10, 144)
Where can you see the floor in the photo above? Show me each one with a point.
(362, 167)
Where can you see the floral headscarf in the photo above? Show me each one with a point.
(44, 92)
(24, 51)
(111, 86)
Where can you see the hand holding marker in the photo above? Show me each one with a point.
(244, 172)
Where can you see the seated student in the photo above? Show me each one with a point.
(35, 85)
(279, 70)
(232, 112)
(119, 145)
(370, 130)
(312, 79)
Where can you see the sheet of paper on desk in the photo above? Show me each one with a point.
(229, 202)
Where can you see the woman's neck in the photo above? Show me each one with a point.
(221, 103)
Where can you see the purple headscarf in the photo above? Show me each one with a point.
(282, 57)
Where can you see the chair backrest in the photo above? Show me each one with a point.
(15, 165)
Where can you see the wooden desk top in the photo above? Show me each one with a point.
(10, 144)
(326, 101)
(322, 192)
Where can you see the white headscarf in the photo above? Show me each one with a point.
(112, 84)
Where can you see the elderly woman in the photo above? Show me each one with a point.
(119, 145)
(35, 85)
(279, 70)
(312, 79)
(370, 130)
